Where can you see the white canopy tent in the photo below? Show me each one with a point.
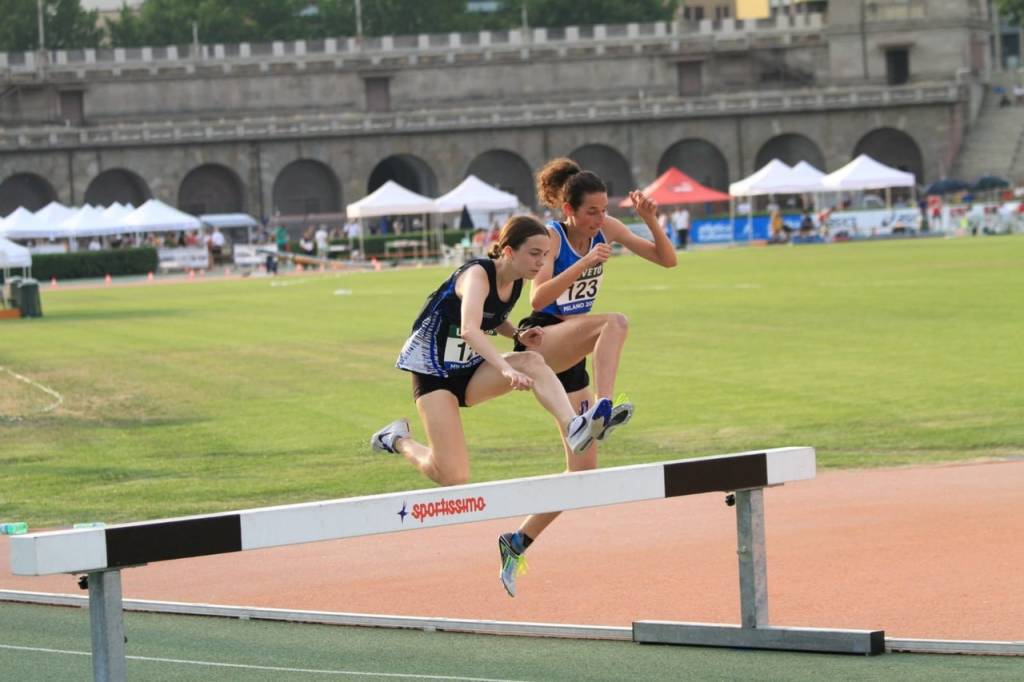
(772, 178)
(88, 221)
(806, 178)
(392, 199)
(476, 195)
(483, 202)
(13, 255)
(156, 216)
(865, 173)
(21, 224)
(53, 213)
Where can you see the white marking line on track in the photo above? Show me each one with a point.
(214, 664)
(44, 389)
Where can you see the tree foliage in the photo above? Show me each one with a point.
(164, 22)
(1012, 10)
(66, 25)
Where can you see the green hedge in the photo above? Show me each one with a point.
(375, 244)
(94, 263)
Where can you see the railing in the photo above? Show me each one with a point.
(504, 116)
(163, 56)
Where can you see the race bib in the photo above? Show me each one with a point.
(580, 295)
(457, 352)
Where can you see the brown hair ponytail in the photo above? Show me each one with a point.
(562, 181)
(516, 230)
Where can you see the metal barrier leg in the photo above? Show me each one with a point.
(750, 549)
(754, 631)
(106, 621)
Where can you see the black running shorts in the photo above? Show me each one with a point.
(573, 379)
(423, 384)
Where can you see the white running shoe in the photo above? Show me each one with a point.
(384, 440)
(586, 427)
(621, 414)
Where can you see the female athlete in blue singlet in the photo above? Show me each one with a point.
(562, 296)
(454, 364)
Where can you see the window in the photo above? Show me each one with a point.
(72, 109)
(378, 94)
(698, 13)
(897, 65)
(690, 79)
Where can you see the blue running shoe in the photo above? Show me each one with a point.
(599, 416)
(621, 414)
(513, 562)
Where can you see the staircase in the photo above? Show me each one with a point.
(995, 143)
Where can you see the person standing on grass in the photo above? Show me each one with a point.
(562, 295)
(455, 364)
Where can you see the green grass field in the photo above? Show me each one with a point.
(228, 394)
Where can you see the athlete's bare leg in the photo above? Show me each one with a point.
(603, 334)
(534, 525)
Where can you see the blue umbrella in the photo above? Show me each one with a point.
(987, 182)
(946, 186)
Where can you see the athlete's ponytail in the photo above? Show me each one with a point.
(562, 181)
(515, 232)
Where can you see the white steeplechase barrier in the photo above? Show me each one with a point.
(101, 553)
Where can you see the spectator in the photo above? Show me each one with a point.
(281, 238)
(321, 241)
(95, 245)
(216, 247)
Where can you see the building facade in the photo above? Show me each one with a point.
(307, 127)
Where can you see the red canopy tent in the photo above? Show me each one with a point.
(675, 187)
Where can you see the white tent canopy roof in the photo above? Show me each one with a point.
(476, 195)
(866, 173)
(156, 216)
(228, 220)
(806, 177)
(22, 225)
(53, 213)
(88, 221)
(391, 199)
(773, 178)
(14, 256)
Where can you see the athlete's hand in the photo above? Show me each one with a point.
(518, 380)
(645, 207)
(531, 337)
(597, 255)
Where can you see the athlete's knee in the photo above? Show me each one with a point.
(529, 362)
(616, 323)
(448, 477)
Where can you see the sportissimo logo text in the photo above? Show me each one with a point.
(446, 507)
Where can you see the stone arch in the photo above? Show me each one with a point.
(407, 170)
(791, 149)
(27, 190)
(507, 171)
(117, 185)
(211, 188)
(699, 159)
(608, 164)
(893, 148)
(306, 186)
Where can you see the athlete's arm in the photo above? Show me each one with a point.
(472, 288)
(545, 289)
(660, 251)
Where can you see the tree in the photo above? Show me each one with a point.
(66, 25)
(1012, 10)
(165, 22)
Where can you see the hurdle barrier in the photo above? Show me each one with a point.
(101, 553)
